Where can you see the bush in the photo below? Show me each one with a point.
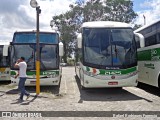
(70, 62)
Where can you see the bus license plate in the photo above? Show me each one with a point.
(112, 83)
(32, 82)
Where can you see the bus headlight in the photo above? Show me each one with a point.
(34, 76)
(52, 75)
(5, 72)
(89, 73)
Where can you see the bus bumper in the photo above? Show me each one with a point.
(5, 78)
(43, 82)
(92, 82)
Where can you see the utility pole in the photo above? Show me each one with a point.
(144, 19)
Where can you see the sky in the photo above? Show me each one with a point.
(18, 14)
(148, 9)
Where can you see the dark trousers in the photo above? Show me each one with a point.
(21, 87)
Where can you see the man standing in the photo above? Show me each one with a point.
(21, 64)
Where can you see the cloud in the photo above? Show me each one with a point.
(13, 14)
(8, 6)
(150, 11)
(52, 8)
(18, 14)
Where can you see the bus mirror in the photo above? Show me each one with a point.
(61, 51)
(140, 38)
(5, 50)
(79, 39)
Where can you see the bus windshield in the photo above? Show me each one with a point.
(4, 62)
(48, 55)
(109, 47)
(30, 37)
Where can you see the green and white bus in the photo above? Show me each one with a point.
(51, 49)
(4, 62)
(149, 55)
(108, 55)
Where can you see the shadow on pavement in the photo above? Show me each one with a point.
(2, 93)
(5, 82)
(32, 89)
(105, 94)
(47, 89)
(25, 102)
(150, 89)
(12, 91)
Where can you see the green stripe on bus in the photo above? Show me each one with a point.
(112, 72)
(87, 68)
(13, 73)
(149, 55)
(41, 72)
(118, 72)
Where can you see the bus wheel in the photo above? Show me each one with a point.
(82, 87)
(119, 88)
(139, 84)
(58, 86)
(159, 82)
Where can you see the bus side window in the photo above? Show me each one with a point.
(158, 38)
(137, 42)
(150, 40)
(146, 42)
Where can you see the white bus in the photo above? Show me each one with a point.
(149, 55)
(24, 44)
(4, 62)
(108, 55)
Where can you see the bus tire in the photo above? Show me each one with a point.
(159, 81)
(83, 88)
(75, 68)
(119, 88)
(138, 84)
(58, 86)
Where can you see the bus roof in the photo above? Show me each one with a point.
(28, 30)
(104, 24)
(145, 26)
(4, 42)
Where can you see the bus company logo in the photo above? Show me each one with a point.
(113, 73)
(21, 114)
(6, 114)
(154, 55)
(49, 73)
(153, 52)
(150, 65)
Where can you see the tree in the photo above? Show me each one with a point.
(67, 30)
(136, 26)
(92, 10)
(119, 10)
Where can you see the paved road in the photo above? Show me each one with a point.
(71, 98)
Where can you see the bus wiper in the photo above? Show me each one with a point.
(103, 58)
(57, 53)
(31, 57)
(116, 51)
(40, 58)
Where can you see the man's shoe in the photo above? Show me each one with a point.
(27, 97)
(20, 100)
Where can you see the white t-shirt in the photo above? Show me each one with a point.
(22, 69)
